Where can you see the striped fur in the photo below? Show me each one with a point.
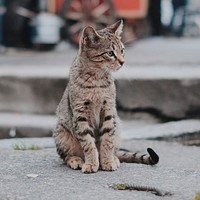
(87, 132)
(129, 157)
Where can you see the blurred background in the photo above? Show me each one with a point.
(159, 84)
(44, 23)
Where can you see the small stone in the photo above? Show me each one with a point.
(32, 175)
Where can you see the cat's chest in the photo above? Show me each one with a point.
(97, 98)
(95, 90)
(100, 99)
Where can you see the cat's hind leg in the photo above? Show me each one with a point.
(68, 147)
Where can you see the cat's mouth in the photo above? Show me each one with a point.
(114, 68)
(117, 67)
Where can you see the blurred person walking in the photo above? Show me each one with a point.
(177, 23)
(155, 17)
(2, 11)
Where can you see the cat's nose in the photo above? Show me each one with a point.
(121, 61)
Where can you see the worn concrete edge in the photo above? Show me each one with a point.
(27, 120)
(129, 129)
(160, 72)
(153, 131)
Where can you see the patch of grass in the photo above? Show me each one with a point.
(24, 147)
(120, 186)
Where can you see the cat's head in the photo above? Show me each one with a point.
(103, 47)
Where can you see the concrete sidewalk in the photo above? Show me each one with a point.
(41, 175)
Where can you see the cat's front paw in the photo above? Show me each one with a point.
(110, 165)
(90, 168)
(75, 162)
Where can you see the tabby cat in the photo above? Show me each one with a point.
(87, 132)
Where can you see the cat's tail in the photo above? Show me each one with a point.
(129, 157)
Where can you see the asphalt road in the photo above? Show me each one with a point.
(41, 175)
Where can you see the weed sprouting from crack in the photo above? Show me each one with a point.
(124, 186)
(24, 147)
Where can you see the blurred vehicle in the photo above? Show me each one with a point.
(2, 12)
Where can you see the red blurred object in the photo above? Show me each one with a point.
(59, 4)
(124, 8)
(127, 4)
(131, 8)
(100, 13)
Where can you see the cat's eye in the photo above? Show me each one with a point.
(111, 53)
(122, 51)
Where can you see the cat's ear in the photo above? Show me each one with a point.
(116, 28)
(90, 36)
